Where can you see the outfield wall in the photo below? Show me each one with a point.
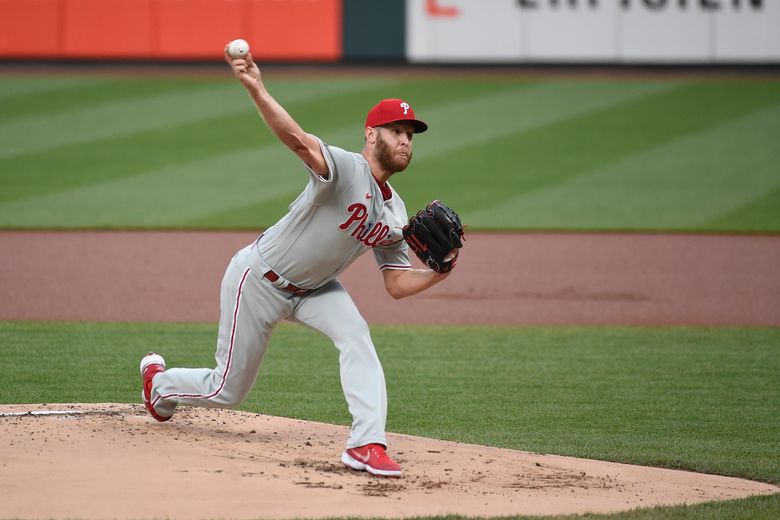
(417, 31)
(619, 31)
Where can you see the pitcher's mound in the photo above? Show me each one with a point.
(114, 461)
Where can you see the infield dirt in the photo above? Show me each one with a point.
(501, 278)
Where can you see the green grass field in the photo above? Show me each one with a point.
(101, 151)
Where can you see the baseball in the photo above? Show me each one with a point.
(238, 48)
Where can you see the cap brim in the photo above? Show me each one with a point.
(419, 126)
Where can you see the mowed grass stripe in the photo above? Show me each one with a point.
(480, 120)
(478, 145)
(487, 144)
(257, 214)
(104, 159)
(114, 117)
(78, 165)
(238, 173)
(686, 183)
(453, 125)
(155, 201)
(75, 165)
(340, 124)
(165, 196)
(489, 175)
(759, 214)
(20, 87)
(490, 105)
(90, 94)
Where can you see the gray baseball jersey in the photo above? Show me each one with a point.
(334, 221)
(328, 226)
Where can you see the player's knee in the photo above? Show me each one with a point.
(354, 342)
(231, 394)
(354, 332)
(360, 349)
(228, 400)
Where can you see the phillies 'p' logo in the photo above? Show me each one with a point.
(406, 107)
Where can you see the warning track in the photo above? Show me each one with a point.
(501, 278)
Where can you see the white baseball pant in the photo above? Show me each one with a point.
(250, 308)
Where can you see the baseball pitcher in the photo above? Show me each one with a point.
(290, 272)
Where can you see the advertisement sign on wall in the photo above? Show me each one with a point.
(621, 31)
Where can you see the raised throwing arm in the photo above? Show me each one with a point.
(281, 123)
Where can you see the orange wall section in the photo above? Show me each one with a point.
(308, 30)
(194, 29)
(303, 29)
(30, 28)
(115, 28)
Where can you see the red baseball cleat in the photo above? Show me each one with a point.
(151, 365)
(371, 458)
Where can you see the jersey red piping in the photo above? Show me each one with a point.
(230, 350)
(394, 266)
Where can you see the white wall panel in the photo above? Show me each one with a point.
(668, 35)
(619, 31)
(581, 33)
(483, 31)
(748, 35)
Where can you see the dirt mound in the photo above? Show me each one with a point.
(114, 461)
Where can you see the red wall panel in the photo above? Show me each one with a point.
(115, 28)
(198, 28)
(170, 29)
(295, 29)
(29, 28)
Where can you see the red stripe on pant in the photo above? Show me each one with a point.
(230, 350)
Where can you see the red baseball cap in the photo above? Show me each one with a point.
(391, 110)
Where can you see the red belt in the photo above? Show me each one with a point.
(273, 277)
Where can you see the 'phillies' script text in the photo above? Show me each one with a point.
(364, 232)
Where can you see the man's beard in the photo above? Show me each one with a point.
(387, 160)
